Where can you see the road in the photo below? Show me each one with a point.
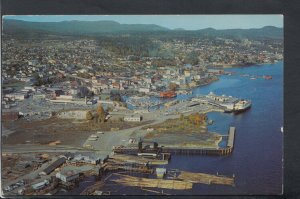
(105, 142)
(29, 148)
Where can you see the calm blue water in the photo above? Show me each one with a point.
(257, 158)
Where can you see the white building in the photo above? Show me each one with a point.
(17, 96)
(133, 118)
(40, 185)
(39, 96)
(144, 90)
(67, 176)
(75, 114)
(64, 97)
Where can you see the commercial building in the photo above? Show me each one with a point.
(133, 118)
(53, 166)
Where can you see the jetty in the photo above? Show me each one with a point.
(176, 150)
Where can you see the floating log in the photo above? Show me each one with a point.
(154, 183)
(205, 178)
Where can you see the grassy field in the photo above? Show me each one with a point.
(183, 132)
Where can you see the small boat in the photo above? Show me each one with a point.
(281, 129)
(252, 78)
(267, 77)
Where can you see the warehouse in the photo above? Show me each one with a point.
(67, 176)
(133, 118)
(53, 166)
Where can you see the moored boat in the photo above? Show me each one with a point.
(242, 105)
(267, 77)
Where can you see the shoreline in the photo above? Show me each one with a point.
(247, 65)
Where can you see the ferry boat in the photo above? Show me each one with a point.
(242, 105)
(231, 104)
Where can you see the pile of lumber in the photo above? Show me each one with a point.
(205, 178)
(154, 183)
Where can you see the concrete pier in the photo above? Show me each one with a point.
(187, 151)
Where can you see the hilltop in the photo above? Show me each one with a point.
(95, 28)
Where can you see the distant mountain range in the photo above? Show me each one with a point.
(92, 28)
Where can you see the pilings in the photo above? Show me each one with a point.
(217, 152)
(185, 151)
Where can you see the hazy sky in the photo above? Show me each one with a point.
(188, 22)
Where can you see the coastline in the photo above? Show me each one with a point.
(247, 64)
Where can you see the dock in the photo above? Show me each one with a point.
(230, 142)
(188, 151)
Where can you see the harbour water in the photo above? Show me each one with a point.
(256, 161)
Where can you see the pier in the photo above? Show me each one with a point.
(187, 151)
(230, 142)
(204, 151)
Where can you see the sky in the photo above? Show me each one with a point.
(188, 22)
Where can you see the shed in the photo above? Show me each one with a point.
(40, 185)
(160, 172)
(53, 166)
(67, 176)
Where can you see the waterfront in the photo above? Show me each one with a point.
(132, 108)
(257, 158)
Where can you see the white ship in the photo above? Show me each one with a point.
(242, 105)
(231, 104)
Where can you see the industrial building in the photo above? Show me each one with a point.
(40, 185)
(53, 166)
(89, 158)
(133, 118)
(67, 176)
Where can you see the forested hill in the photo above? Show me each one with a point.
(94, 28)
